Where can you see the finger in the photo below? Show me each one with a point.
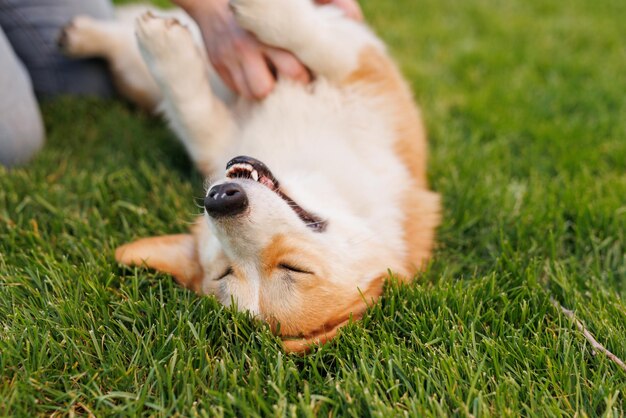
(287, 65)
(239, 80)
(257, 75)
(222, 63)
(225, 76)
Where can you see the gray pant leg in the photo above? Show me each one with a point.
(33, 27)
(21, 128)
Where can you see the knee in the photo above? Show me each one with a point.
(21, 127)
(21, 137)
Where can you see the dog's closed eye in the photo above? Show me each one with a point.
(224, 275)
(294, 269)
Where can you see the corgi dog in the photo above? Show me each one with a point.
(315, 193)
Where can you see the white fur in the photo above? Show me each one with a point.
(331, 147)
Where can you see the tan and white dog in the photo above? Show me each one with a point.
(329, 191)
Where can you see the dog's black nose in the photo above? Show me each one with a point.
(228, 199)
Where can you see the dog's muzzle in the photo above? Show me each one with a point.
(228, 199)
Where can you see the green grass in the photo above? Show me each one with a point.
(526, 107)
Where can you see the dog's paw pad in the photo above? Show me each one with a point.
(171, 22)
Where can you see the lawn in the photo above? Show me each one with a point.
(525, 102)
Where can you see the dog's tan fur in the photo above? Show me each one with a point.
(341, 271)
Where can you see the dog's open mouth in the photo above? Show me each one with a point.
(253, 169)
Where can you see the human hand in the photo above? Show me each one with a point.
(247, 66)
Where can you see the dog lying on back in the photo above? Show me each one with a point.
(324, 189)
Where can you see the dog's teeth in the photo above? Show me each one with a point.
(243, 170)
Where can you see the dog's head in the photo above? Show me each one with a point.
(276, 252)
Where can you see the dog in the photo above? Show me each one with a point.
(324, 190)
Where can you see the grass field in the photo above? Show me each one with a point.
(526, 107)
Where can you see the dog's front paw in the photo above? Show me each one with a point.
(160, 35)
(166, 44)
(170, 52)
(80, 38)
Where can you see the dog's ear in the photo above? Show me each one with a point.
(173, 254)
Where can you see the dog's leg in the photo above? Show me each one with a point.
(324, 39)
(198, 117)
(86, 37)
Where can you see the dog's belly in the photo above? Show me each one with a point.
(334, 143)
